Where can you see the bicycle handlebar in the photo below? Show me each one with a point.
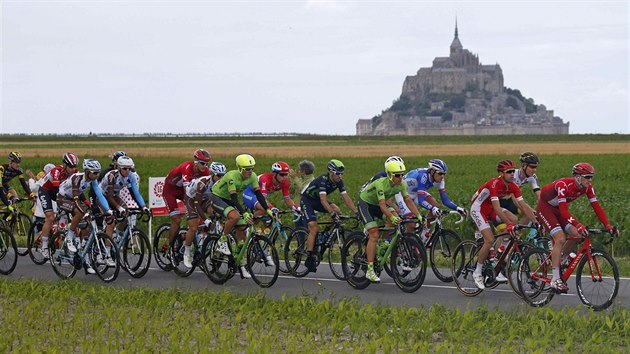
(449, 212)
(602, 232)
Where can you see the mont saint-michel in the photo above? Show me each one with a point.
(458, 95)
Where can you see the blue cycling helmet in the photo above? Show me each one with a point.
(437, 166)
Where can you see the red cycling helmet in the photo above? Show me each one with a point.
(70, 159)
(201, 155)
(505, 165)
(583, 168)
(280, 166)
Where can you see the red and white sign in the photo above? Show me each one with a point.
(156, 202)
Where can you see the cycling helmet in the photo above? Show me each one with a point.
(118, 154)
(529, 157)
(91, 165)
(437, 165)
(336, 166)
(394, 158)
(201, 155)
(15, 156)
(70, 159)
(245, 160)
(218, 169)
(280, 166)
(583, 168)
(505, 165)
(392, 167)
(125, 161)
(48, 167)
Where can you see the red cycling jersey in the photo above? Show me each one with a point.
(495, 189)
(268, 184)
(181, 175)
(565, 190)
(54, 178)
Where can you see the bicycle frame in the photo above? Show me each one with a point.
(437, 226)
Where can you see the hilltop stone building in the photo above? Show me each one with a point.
(458, 95)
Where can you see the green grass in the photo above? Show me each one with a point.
(71, 316)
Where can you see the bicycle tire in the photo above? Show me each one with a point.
(61, 260)
(159, 253)
(99, 248)
(263, 272)
(354, 260)
(594, 293)
(440, 253)
(8, 252)
(216, 265)
(176, 252)
(20, 233)
(295, 252)
(136, 254)
(279, 242)
(463, 264)
(513, 263)
(408, 263)
(535, 292)
(34, 244)
(334, 256)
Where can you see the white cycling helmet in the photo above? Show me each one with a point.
(91, 165)
(125, 161)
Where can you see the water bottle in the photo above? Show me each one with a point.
(321, 237)
(566, 260)
(426, 235)
(381, 247)
(63, 220)
(503, 246)
(492, 256)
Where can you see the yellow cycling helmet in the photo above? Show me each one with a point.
(393, 167)
(243, 161)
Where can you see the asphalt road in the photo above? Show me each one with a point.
(324, 286)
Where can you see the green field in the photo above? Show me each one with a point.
(75, 317)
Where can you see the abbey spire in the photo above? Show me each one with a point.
(456, 45)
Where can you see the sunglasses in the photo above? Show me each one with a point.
(202, 163)
(509, 171)
(283, 174)
(125, 168)
(93, 172)
(248, 168)
(588, 176)
(441, 173)
(338, 173)
(532, 166)
(398, 175)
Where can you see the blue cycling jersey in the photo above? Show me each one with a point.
(419, 181)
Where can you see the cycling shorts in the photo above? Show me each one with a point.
(224, 207)
(551, 218)
(371, 214)
(171, 194)
(310, 207)
(191, 208)
(46, 199)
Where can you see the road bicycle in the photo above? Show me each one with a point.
(329, 243)
(177, 247)
(278, 234)
(440, 246)
(18, 224)
(596, 274)
(464, 262)
(404, 256)
(62, 219)
(257, 254)
(8, 251)
(133, 244)
(95, 250)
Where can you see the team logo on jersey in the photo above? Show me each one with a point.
(561, 192)
(158, 188)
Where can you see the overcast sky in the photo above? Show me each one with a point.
(293, 66)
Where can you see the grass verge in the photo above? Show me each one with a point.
(72, 316)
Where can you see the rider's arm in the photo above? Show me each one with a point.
(261, 198)
(411, 205)
(237, 205)
(99, 194)
(599, 211)
(201, 187)
(348, 201)
(496, 205)
(27, 189)
(323, 199)
(135, 192)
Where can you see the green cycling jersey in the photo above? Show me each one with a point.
(233, 182)
(381, 189)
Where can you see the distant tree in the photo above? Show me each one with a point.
(530, 106)
(447, 117)
(511, 101)
(401, 104)
(457, 101)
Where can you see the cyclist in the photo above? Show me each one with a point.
(372, 207)
(524, 175)
(34, 184)
(71, 199)
(486, 209)
(8, 171)
(224, 200)
(554, 213)
(113, 183)
(93, 198)
(175, 184)
(197, 203)
(383, 173)
(420, 180)
(47, 193)
(277, 179)
(315, 198)
(298, 183)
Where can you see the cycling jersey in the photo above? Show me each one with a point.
(382, 189)
(201, 186)
(482, 210)
(268, 184)
(419, 181)
(113, 182)
(521, 180)
(75, 185)
(53, 179)
(377, 175)
(7, 174)
(181, 175)
(233, 182)
(322, 185)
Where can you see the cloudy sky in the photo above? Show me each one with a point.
(293, 66)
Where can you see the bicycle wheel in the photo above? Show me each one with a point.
(463, 264)
(295, 252)
(408, 263)
(335, 247)
(513, 263)
(136, 254)
(20, 233)
(354, 260)
(61, 260)
(8, 252)
(279, 242)
(262, 261)
(161, 248)
(176, 253)
(216, 265)
(599, 284)
(441, 251)
(35, 243)
(99, 257)
(534, 277)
